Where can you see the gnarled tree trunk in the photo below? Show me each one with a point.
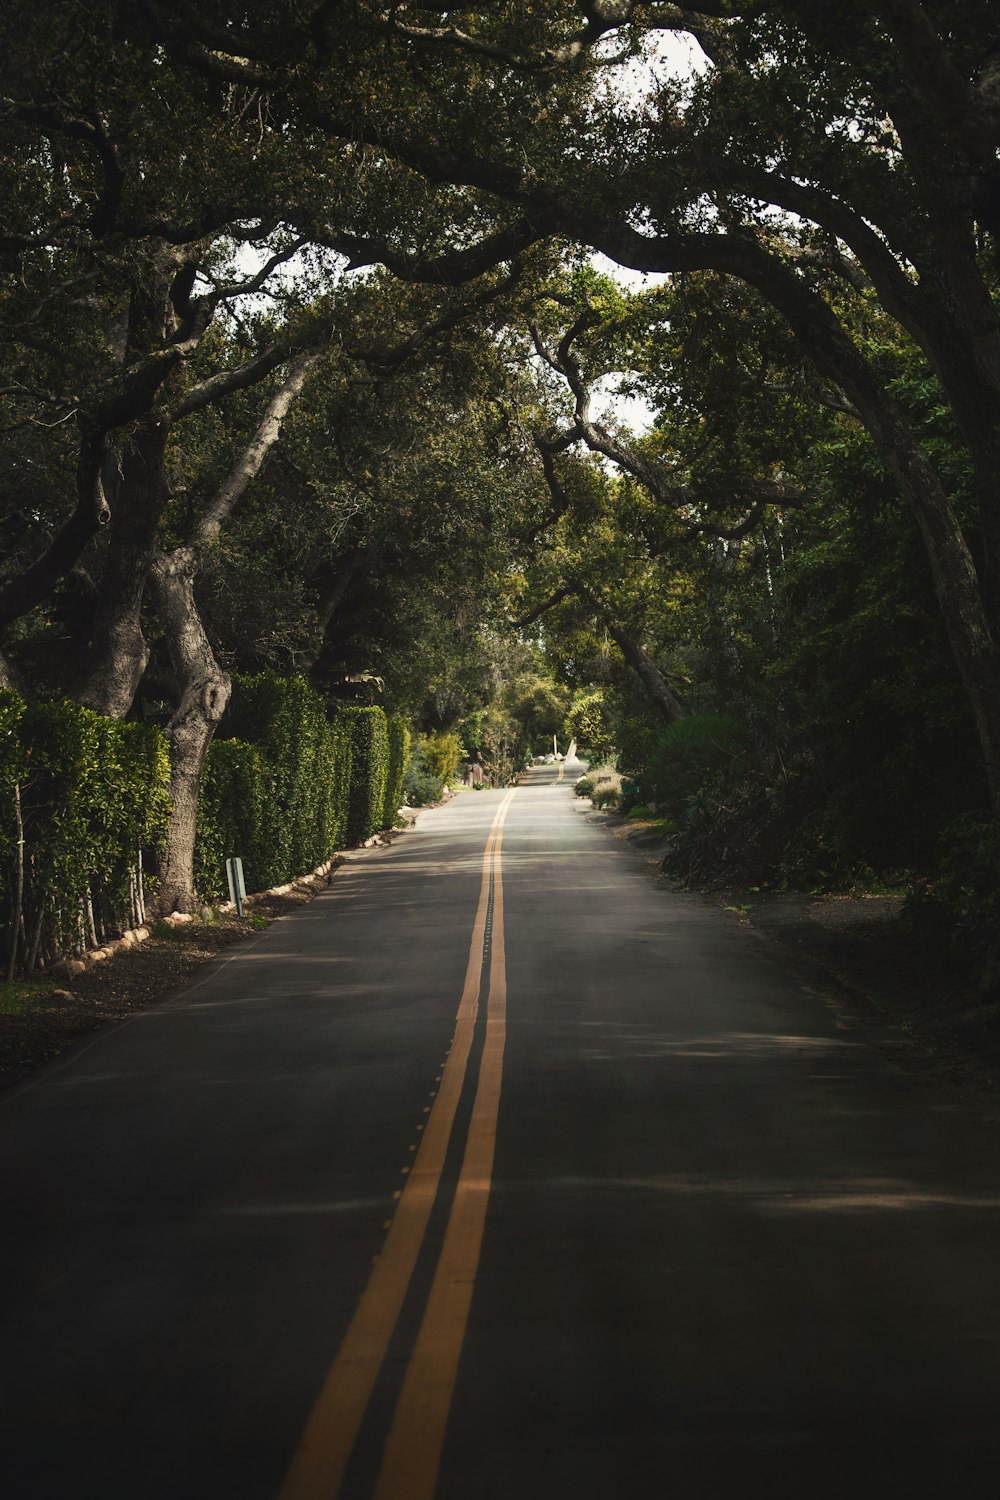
(657, 689)
(204, 692)
(119, 651)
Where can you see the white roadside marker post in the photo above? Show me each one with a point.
(237, 886)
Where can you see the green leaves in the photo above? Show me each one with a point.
(370, 767)
(95, 804)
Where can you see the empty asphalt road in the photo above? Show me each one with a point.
(497, 1173)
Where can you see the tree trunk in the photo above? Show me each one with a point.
(17, 911)
(333, 588)
(648, 673)
(953, 571)
(8, 677)
(118, 650)
(205, 690)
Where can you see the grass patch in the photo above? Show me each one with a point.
(20, 997)
(662, 828)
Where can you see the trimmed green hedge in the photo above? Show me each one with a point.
(94, 805)
(231, 818)
(275, 785)
(398, 734)
(369, 767)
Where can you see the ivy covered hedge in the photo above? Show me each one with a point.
(285, 786)
(275, 786)
(89, 797)
(398, 737)
(369, 769)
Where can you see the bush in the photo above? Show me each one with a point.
(604, 788)
(398, 732)
(287, 721)
(369, 766)
(441, 755)
(691, 753)
(957, 914)
(420, 787)
(232, 819)
(275, 786)
(93, 795)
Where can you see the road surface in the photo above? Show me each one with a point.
(497, 1173)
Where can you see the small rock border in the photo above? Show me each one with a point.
(303, 885)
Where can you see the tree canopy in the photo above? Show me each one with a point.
(300, 308)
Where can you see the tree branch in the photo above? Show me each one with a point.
(251, 460)
(565, 592)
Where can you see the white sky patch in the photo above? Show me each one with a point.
(665, 54)
(625, 277)
(615, 410)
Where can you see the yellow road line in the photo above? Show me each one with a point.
(413, 1450)
(317, 1469)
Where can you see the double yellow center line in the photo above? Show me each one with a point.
(413, 1449)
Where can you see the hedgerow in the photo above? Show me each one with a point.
(89, 797)
(398, 733)
(231, 818)
(369, 768)
(275, 787)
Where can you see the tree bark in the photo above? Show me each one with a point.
(119, 652)
(334, 585)
(8, 677)
(657, 688)
(205, 691)
(648, 673)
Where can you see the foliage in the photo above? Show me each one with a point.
(277, 796)
(288, 722)
(232, 819)
(421, 787)
(538, 705)
(94, 804)
(398, 734)
(690, 753)
(603, 785)
(441, 755)
(587, 723)
(957, 912)
(369, 740)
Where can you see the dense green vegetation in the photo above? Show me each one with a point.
(306, 438)
(84, 802)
